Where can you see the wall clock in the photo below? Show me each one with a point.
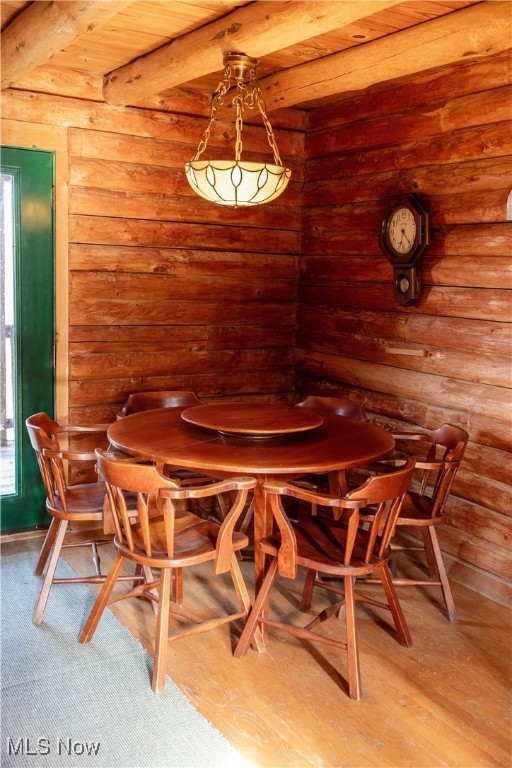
(403, 238)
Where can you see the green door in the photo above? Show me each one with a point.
(27, 327)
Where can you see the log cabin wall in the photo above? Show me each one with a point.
(445, 137)
(166, 290)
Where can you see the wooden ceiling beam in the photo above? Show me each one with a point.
(258, 29)
(475, 32)
(45, 28)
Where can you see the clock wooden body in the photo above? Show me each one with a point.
(403, 238)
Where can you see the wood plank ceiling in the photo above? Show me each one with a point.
(311, 52)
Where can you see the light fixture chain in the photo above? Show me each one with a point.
(217, 102)
(270, 133)
(240, 101)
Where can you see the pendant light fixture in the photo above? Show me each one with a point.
(236, 182)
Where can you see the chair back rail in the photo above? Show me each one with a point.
(143, 401)
(338, 405)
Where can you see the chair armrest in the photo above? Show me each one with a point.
(202, 491)
(82, 428)
(409, 435)
(50, 453)
(323, 499)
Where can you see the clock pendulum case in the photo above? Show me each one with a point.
(404, 236)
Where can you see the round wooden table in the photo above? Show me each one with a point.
(337, 443)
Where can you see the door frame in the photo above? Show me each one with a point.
(21, 135)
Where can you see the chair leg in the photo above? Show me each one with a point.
(47, 545)
(101, 601)
(177, 589)
(354, 674)
(443, 577)
(148, 575)
(433, 571)
(239, 585)
(404, 636)
(50, 572)
(243, 597)
(162, 633)
(307, 593)
(260, 603)
(247, 518)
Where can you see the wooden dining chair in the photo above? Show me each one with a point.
(83, 503)
(164, 540)
(335, 483)
(438, 455)
(144, 401)
(340, 548)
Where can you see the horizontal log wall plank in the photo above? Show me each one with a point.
(476, 176)
(111, 312)
(152, 287)
(484, 583)
(446, 358)
(164, 234)
(190, 361)
(454, 240)
(476, 303)
(443, 332)
(489, 205)
(167, 153)
(481, 271)
(111, 338)
(491, 494)
(468, 547)
(467, 366)
(414, 125)
(168, 207)
(490, 462)
(180, 261)
(491, 140)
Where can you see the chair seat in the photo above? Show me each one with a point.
(320, 540)
(83, 502)
(417, 510)
(194, 542)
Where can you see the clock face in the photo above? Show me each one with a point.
(401, 231)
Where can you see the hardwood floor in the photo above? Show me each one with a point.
(443, 702)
